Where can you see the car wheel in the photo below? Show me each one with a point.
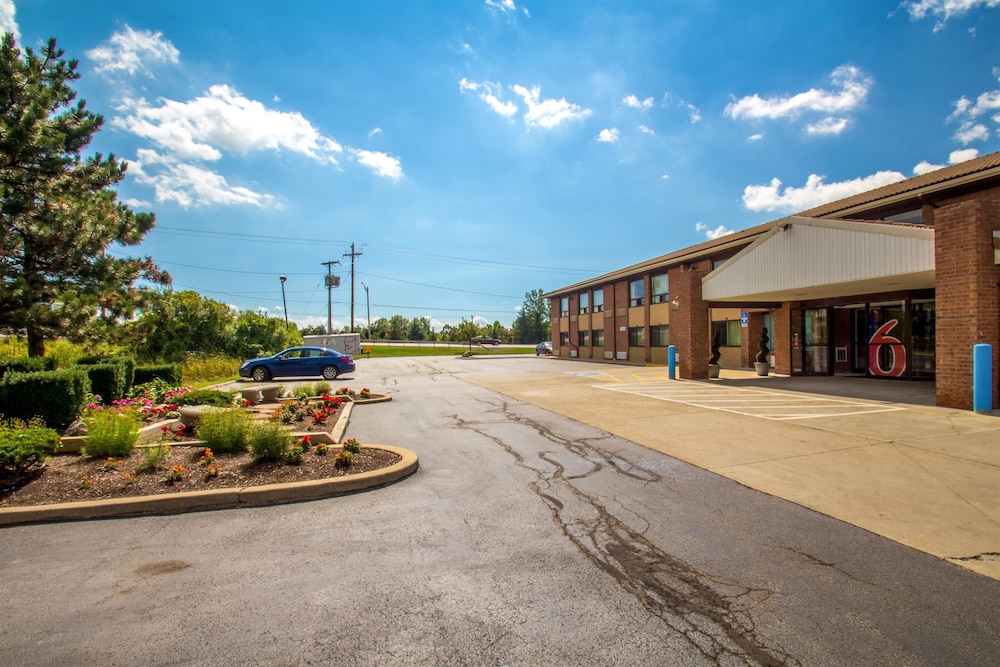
(330, 372)
(261, 374)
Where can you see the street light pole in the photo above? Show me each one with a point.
(368, 304)
(284, 304)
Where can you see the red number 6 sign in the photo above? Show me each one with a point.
(897, 352)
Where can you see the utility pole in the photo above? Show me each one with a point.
(352, 255)
(331, 282)
(369, 304)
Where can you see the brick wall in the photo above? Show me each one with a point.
(967, 284)
(690, 329)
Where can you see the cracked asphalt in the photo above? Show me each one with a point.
(525, 538)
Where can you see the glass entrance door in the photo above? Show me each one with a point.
(811, 341)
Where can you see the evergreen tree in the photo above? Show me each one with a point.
(533, 323)
(58, 213)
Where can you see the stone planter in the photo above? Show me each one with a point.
(713, 370)
(762, 368)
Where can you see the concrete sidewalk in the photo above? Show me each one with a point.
(922, 476)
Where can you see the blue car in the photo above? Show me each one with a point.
(299, 362)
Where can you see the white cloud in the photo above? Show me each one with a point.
(718, 232)
(548, 113)
(381, 164)
(665, 177)
(131, 50)
(963, 155)
(490, 95)
(645, 130)
(953, 158)
(8, 22)
(814, 193)
(189, 185)
(464, 85)
(968, 113)
(670, 100)
(849, 91)
(694, 114)
(943, 10)
(755, 137)
(374, 131)
(608, 136)
(140, 204)
(828, 125)
(636, 103)
(503, 5)
(223, 119)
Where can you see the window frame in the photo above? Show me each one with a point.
(637, 336)
(655, 331)
(659, 297)
(564, 306)
(584, 303)
(598, 307)
(636, 293)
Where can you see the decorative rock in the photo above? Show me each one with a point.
(78, 427)
(190, 414)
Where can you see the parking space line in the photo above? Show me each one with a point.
(778, 406)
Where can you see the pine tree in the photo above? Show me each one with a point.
(58, 213)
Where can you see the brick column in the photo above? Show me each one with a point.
(554, 320)
(781, 340)
(967, 297)
(689, 324)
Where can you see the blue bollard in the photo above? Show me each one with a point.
(982, 377)
(671, 362)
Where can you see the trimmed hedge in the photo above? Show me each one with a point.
(107, 381)
(216, 397)
(169, 373)
(127, 362)
(24, 448)
(56, 397)
(26, 364)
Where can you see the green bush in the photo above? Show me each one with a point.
(155, 456)
(24, 448)
(111, 432)
(269, 440)
(26, 365)
(225, 430)
(220, 399)
(169, 373)
(127, 363)
(106, 381)
(55, 397)
(199, 369)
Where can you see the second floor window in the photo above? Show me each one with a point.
(598, 301)
(584, 303)
(564, 307)
(636, 293)
(660, 287)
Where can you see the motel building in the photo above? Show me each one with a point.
(894, 284)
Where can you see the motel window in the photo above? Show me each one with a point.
(564, 307)
(598, 300)
(584, 303)
(598, 336)
(659, 285)
(563, 338)
(716, 263)
(659, 335)
(636, 293)
(730, 332)
(637, 336)
(584, 338)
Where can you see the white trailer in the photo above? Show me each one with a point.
(348, 343)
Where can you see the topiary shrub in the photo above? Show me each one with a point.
(169, 373)
(24, 448)
(220, 399)
(127, 363)
(106, 381)
(26, 364)
(55, 397)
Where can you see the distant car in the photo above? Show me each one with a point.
(483, 340)
(299, 362)
(545, 347)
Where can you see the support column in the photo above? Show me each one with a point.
(967, 296)
(690, 329)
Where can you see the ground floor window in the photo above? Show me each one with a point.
(563, 338)
(730, 332)
(659, 335)
(637, 337)
(584, 338)
(598, 336)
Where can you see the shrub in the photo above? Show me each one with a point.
(293, 455)
(26, 365)
(220, 399)
(157, 391)
(207, 369)
(55, 397)
(127, 364)
(225, 430)
(111, 432)
(169, 373)
(270, 440)
(106, 381)
(352, 446)
(24, 448)
(154, 457)
(321, 387)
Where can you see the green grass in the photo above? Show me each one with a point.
(428, 350)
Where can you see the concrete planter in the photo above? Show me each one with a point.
(762, 368)
(713, 370)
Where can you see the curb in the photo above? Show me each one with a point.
(215, 499)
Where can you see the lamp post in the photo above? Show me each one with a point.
(368, 304)
(284, 304)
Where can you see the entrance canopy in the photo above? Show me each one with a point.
(803, 259)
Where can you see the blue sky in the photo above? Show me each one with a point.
(473, 151)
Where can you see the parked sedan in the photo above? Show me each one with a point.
(545, 347)
(485, 340)
(299, 362)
